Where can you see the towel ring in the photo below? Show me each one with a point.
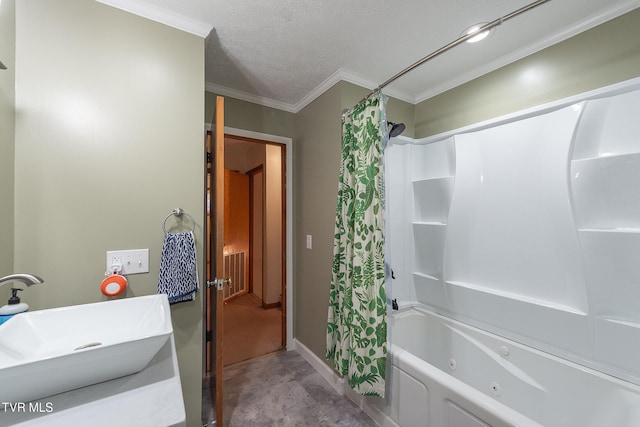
(178, 212)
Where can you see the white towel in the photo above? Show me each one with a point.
(178, 276)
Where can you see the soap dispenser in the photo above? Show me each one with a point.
(13, 307)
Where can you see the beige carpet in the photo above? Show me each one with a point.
(249, 330)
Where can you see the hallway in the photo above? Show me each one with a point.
(249, 330)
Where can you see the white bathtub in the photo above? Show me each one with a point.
(446, 373)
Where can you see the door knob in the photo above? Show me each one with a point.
(219, 283)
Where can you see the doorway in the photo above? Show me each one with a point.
(254, 244)
(213, 333)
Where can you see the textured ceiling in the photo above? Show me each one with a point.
(285, 53)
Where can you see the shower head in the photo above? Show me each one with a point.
(396, 129)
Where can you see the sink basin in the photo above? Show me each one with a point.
(51, 351)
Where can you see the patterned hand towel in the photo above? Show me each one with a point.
(178, 276)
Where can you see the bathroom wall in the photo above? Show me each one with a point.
(606, 54)
(7, 137)
(249, 116)
(108, 140)
(316, 162)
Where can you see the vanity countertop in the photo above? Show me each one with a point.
(151, 397)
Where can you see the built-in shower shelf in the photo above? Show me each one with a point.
(429, 290)
(609, 126)
(606, 195)
(428, 224)
(628, 230)
(432, 198)
(618, 321)
(608, 157)
(432, 180)
(429, 240)
(434, 160)
(426, 276)
(615, 340)
(472, 288)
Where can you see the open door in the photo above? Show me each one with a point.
(215, 258)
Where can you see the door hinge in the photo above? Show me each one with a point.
(209, 336)
(209, 158)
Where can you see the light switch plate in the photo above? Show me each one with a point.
(131, 261)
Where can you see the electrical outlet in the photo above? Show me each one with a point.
(131, 261)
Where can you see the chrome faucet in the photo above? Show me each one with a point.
(27, 279)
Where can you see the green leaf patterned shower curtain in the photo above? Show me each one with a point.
(357, 324)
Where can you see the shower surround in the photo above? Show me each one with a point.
(517, 269)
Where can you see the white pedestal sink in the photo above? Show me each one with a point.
(46, 352)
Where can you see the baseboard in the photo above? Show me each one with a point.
(331, 376)
(373, 410)
(271, 305)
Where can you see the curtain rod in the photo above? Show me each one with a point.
(451, 45)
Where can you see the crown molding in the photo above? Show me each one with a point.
(351, 77)
(163, 16)
(319, 90)
(340, 75)
(244, 96)
(553, 39)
